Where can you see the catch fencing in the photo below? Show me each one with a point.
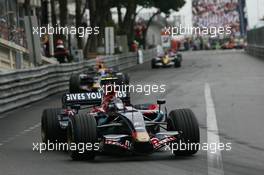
(255, 40)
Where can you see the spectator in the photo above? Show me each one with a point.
(60, 52)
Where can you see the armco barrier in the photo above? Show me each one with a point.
(22, 87)
(255, 40)
(255, 50)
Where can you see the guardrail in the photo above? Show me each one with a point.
(22, 87)
(255, 40)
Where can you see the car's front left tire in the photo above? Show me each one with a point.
(50, 126)
(74, 83)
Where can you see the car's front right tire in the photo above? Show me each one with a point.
(184, 120)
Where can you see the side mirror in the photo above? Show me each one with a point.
(161, 101)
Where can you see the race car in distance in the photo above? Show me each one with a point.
(95, 77)
(169, 58)
(115, 128)
(91, 80)
(234, 43)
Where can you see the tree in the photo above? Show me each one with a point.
(100, 16)
(78, 21)
(53, 13)
(126, 25)
(170, 5)
(63, 12)
(91, 42)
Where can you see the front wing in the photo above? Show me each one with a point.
(126, 142)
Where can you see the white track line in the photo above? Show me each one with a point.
(214, 160)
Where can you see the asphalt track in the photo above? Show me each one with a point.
(225, 89)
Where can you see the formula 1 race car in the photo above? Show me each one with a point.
(166, 60)
(91, 80)
(111, 127)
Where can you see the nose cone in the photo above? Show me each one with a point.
(142, 137)
(142, 143)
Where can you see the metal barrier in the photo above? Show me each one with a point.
(22, 87)
(255, 40)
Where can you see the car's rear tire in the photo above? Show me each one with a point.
(82, 130)
(74, 83)
(177, 63)
(185, 121)
(123, 79)
(153, 64)
(126, 79)
(50, 126)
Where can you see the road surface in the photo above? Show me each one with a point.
(225, 89)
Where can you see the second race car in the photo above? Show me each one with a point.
(94, 78)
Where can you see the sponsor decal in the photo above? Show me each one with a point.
(91, 96)
(160, 143)
(126, 145)
(84, 96)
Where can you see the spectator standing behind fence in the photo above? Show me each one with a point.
(45, 45)
(60, 52)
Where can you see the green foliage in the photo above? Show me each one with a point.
(166, 6)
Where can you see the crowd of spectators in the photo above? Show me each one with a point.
(12, 33)
(216, 13)
(207, 43)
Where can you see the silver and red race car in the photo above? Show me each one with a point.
(109, 126)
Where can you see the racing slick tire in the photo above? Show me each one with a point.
(74, 83)
(50, 126)
(126, 79)
(123, 79)
(184, 120)
(82, 130)
(153, 64)
(177, 63)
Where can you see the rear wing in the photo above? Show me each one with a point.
(89, 98)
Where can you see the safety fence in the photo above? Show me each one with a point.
(255, 40)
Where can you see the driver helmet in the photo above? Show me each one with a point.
(117, 104)
(59, 44)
